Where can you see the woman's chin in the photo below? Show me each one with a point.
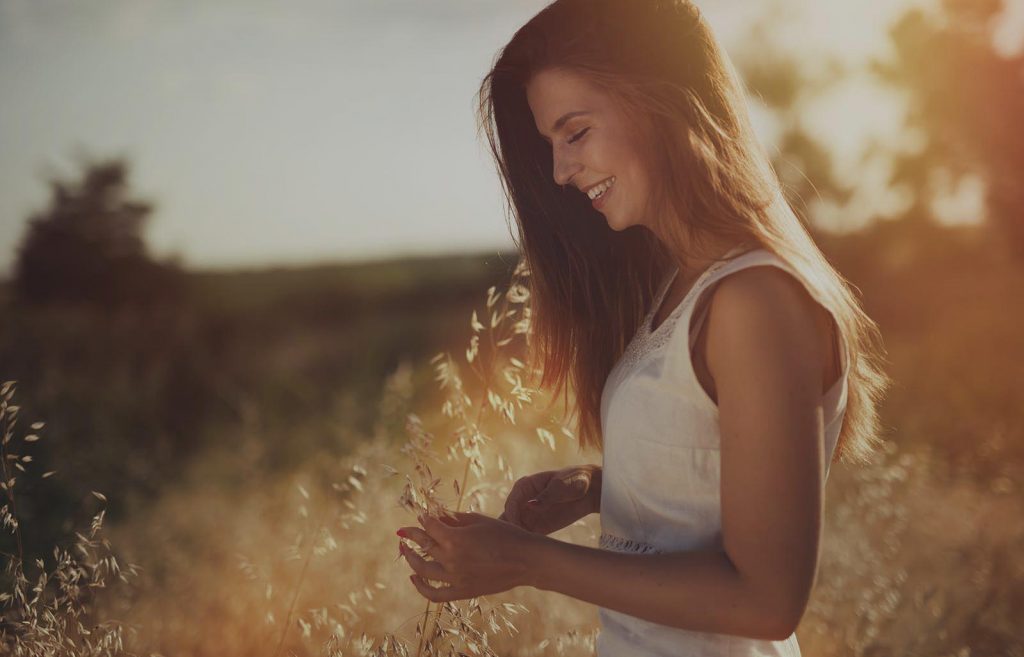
(613, 223)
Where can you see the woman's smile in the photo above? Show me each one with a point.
(599, 193)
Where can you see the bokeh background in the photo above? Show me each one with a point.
(234, 234)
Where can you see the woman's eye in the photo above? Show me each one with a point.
(578, 135)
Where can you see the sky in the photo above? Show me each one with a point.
(275, 133)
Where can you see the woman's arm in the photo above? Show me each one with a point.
(767, 349)
(700, 591)
(766, 352)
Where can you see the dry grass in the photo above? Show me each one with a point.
(306, 564)
(51, 614)
(916, 559)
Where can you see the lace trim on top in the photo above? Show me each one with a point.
(619, 544)
(647, 341)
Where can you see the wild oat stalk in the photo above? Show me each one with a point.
(317, 540)
(509, 317)
(49, 618)
(508, 320)
(321, 541)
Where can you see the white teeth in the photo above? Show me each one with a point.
(598, 190)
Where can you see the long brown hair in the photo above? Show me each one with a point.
(590, 285)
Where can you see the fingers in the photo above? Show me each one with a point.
(555, 492)
(524, 488)
(438, 530)
(533, 499)
(504, 517)
(511, 512)
(434, 527)
(578, 483)
(565, 488)
(529, 503)
(424, 568)
(521, 507)
(437, 594)
(461, 518)
(419, 537)
(434, 532)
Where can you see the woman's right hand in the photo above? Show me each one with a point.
(548, 501)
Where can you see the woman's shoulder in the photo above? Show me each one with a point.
(763, 278)
(767, 307)
(764, 292)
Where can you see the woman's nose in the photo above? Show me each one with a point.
(564, 169)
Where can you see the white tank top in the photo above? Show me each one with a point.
(660, 481)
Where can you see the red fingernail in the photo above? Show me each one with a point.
(401, 533)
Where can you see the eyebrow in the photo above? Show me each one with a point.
(563, 119)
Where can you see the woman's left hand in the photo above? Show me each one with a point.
(472, 553)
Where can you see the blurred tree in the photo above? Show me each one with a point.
(968, 100)
(87, 247)
(786, 84)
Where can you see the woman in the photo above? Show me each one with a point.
(717, 359)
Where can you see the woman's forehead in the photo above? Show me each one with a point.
(557, 84)
(552, 94)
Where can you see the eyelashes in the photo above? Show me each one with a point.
(575, 138)
(578, 135)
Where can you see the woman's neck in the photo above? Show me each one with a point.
(696, 263)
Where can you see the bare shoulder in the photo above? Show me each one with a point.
(765, 290)
(764, 313)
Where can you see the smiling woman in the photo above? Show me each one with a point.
(593, 148)
(716, 358)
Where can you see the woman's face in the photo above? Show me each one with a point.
(592, 142)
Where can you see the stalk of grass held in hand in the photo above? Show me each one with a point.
(507, 320)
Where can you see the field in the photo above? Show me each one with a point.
(246, 444)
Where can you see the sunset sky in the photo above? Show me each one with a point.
(276, 133)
